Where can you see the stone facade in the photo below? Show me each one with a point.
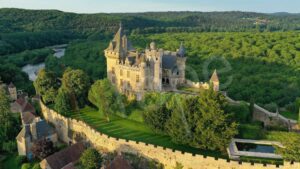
(166, 156)
(133, 72)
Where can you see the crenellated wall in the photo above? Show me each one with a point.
(166, 156)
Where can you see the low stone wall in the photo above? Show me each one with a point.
(269, 118)
(166, 156)
(198, 85)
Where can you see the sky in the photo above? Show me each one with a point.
(112, 6)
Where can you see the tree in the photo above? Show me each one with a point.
(157, 113)
(91, 159)
(76, 83)
(46, 85)
(10, 125)
(103, 95)
(42, 148)
(62, 102)
(200, 121)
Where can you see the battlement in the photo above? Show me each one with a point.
(166, 156)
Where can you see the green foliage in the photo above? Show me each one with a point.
(156, 114)
(9, 146)
(104, 96)
(20, 20)
(36, 166)
(267, 63)
(199, 121)
(87, 56)
(19, 41)
(291, 143)
(21, 159)
(46, 85)
(62, 102)
(241, 112)
(26, 166)
(91, 159)
(76, 83)
(9, 124)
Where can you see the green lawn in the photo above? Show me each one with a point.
(133, 130)
(290, 115)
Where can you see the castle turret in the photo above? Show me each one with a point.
(215, 81)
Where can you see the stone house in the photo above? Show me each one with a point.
(38, 129)
(64, 159)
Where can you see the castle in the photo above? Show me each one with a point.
(134, 72)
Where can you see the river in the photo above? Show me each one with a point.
(31, 70)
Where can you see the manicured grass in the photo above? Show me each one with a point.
(10, 162)
(290, 115)
(133, 130)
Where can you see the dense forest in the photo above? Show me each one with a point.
(257, 55)
(18, 20)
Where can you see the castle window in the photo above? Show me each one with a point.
(128, 74)
(177, 72)
(121, 82)
(137, 78)
(121, 72)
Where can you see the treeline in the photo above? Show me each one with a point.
(18, 42)
(19, 20)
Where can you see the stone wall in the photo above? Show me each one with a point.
(166, 156)
(269, 118)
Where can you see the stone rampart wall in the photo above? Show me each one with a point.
(166, 156)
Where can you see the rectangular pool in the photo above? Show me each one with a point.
(250, 147)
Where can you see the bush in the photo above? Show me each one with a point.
(36, 166)
(26, 166)
(21, 159)
(241, 112)
(9, 146)
(91, 159)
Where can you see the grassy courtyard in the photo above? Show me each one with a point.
(132, 130)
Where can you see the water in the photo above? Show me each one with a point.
(32, 70)
(59, 52)
(255, 148)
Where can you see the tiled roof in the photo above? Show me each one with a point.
(27, 117)
(119, 162)
(24, 105)
(168, 61)
(64, 157)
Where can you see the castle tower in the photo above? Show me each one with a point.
(115, 54)
(181, 59)
(215, 81)
(156, 56)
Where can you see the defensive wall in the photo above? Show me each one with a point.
(166, 156)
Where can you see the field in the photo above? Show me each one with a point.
(132, 130)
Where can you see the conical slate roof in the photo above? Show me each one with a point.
(214, 77)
